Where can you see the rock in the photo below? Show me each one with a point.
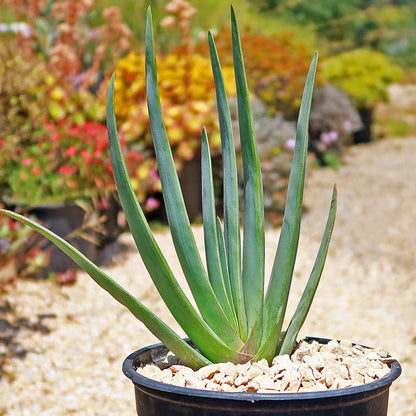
(208, 371)
(312, 367)
(240, 380)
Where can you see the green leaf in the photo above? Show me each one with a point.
(181, 231)
(210, 232)
(231, 202)
(223, 261)
(172, 341)
(288, 341)
(172, 294)
(281, 276)
(253, 241)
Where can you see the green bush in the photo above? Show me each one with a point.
(363, 74)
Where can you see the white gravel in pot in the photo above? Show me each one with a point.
(311, 367)
(366, 295)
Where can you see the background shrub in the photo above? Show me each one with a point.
(363, 74)
(333, 120)
(276, 67)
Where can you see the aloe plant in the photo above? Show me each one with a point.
(236, 318)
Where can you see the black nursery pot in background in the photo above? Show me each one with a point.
(63, 219)
(364, 135)
(156, 398)
(68, 218)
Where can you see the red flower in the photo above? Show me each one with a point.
(56, 136)
(138, 157)
(66, 170)
(87, 156)
(91, 128)
(11, 224)
(36, 171)
(73, 130)
(71, 151)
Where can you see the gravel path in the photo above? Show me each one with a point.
(367, 295)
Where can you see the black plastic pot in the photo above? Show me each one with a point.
(364, 135)
(63, 219)
(154, 398)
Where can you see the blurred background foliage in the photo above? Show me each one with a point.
(384, 25)
(56, 62)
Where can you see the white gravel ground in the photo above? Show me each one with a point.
(367, 295)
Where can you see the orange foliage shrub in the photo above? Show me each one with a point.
(276, 67)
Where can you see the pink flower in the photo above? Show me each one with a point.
(333, 135)
(90, 128)
(327, 138)
(87, 157)
(101, 139)
(290, 144)
(50, 156)
(27, 161)
(73, 131)
(66, 170)
(152, 203)
(138, 157)
(56, 136)
(71, 151)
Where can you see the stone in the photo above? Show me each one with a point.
(208, 371)
(240, 380)
(262, 382)
(312, 367)
(253, 372)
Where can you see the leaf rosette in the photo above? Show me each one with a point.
(237, 318)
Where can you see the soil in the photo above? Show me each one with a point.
(366, 295)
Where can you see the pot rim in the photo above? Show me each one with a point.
(129, 370)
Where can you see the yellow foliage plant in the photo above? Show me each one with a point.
(187, 95)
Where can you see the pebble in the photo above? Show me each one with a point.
(313, 366)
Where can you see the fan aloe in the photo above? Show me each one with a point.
(237, 320)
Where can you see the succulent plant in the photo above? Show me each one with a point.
(238, 320)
